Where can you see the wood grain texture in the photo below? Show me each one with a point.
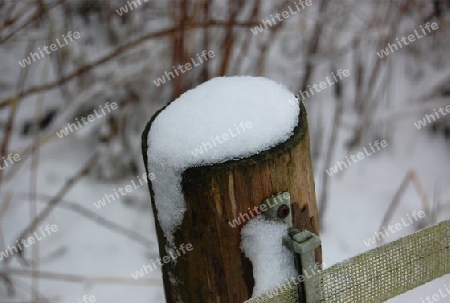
(216, 270)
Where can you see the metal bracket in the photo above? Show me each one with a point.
(302, 242)
(278, 208)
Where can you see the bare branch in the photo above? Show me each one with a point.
(83, 279)
(55, 200)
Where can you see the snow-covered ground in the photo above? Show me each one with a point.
(358, 202)
(93, 245)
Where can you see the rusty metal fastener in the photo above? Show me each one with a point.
(283, 211)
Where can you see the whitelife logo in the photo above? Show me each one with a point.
(296, 280)
(355, 158)
(436, 296)
(11, 159)
(242, 218)
(128, 189)
(411, 38)
(392, 229)
(166, 259)
(280, 17)
(225, 137)
(86, 299)
(53, 48)
(124, 9)
(294, 101)
(71, 127)
(31, 240)
(205, 55)
(422, 123)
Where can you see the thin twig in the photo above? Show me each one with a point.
(116, 52)
(83, 279)
(423, 197)
(8, 132)
(39, 14)
(370, 106)
(33, 187)
(55, 200)
(395, 201)
(94, 217)
(80, 100)
(3, 208)
(313, 45)
(411, 176)
(331, 148)
(37, 298)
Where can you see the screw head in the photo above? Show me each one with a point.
(283, 211)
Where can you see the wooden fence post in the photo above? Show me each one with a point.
(216, 270)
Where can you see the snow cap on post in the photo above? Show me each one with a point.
(224, 118)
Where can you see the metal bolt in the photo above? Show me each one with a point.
(283, 211)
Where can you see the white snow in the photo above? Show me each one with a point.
(86, 248)
(255, 114)
(273, 263)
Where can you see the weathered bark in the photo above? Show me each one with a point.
(216, 270)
